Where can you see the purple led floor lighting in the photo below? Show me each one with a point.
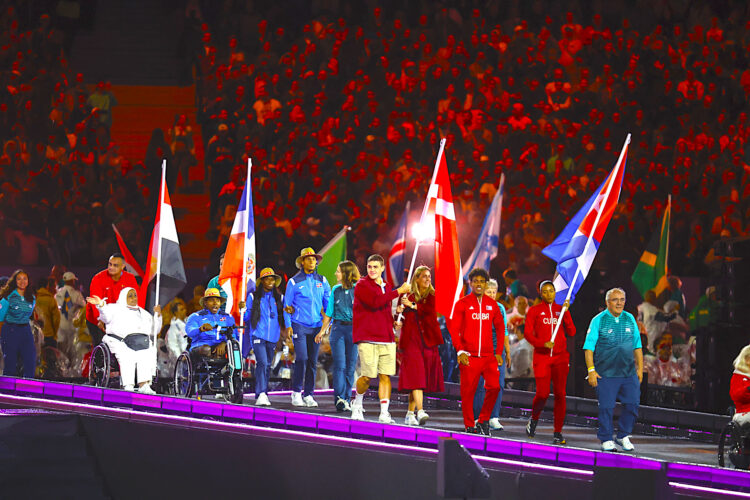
(705, 489)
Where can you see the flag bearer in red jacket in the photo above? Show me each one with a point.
(540, 323)
(471, 330)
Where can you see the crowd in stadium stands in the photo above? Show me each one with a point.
(342, 116)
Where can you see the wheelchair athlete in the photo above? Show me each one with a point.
(205, 327)
(129, 335)
(736, 436)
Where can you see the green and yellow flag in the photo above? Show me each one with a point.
(651, 271)
(333, 253)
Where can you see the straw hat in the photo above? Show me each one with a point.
(307, 252)
(212, 292)
(266, 272)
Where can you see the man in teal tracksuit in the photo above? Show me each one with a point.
(308, 293)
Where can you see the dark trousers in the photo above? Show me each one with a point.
(17, 341)
(305, 358)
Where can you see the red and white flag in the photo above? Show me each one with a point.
(164, 276)
(448, 286)
(131, 265)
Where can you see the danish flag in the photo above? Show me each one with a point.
(448, 286)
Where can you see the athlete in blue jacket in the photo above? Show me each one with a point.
(205, 327)
(308, 293)
(264, 318)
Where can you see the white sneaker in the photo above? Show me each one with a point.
(495, 424)
(385, 418)
(309, 401)
(297, 399)
(422, 417)
(347, 406)
(129, 387)
(625, 444)
(146, 389)
(357, 413)
(262, 400)
(410, 419)
(608, 446)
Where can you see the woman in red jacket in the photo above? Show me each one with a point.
(540, 323)
(421, 369)
(739, 387)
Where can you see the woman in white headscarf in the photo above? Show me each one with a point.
(130, 337)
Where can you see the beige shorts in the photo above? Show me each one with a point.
(377, 359)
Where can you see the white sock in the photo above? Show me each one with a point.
(384, 406)
(358, 399)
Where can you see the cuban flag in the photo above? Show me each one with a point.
(164, 276)
(237, 275)
(489, 236)
(394, 265)
(574, 250)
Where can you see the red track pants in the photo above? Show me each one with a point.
(551, 369)
(485, 366)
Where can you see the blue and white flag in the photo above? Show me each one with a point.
(489, 237)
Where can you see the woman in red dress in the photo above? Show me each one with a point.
(421, 368)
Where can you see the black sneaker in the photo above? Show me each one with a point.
(483, 428)
(472, 430)
(558, 438)
(531, 427)
(340, 405)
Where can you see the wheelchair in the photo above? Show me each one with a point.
(104, 370)
(197, 375)
(734, 446)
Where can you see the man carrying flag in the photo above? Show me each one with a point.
(164, 277)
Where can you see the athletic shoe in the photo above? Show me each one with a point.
(495, 424)
(146, 389)
(531, 427)
(385, 418)
(422, 417)
(608, 446)
(472, 430)
(309, 401)
(340, 405)
(347, 406)
(297, 399)
(558, 438)
(410, 419)
(357, 413)
(129, 387)
(262, 400)
(484, 428)
(625, 443)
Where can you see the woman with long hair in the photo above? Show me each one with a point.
(421, 369)
(265, 319)
(343, 349)
(17, 301)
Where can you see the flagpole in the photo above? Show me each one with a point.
(243, 285)
(666, 251)
(158, 256)
(589, 239)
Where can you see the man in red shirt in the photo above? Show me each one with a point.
(471, 331)
(107, 284)
(540, 323)
(372, 331)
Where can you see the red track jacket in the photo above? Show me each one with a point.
(540, 324)
(471, 329)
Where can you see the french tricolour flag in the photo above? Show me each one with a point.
(164, 275)
(574, 250)
(237, 275)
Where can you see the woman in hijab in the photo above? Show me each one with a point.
(130, 334)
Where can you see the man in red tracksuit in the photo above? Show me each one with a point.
(540, 323)
(471, 331)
